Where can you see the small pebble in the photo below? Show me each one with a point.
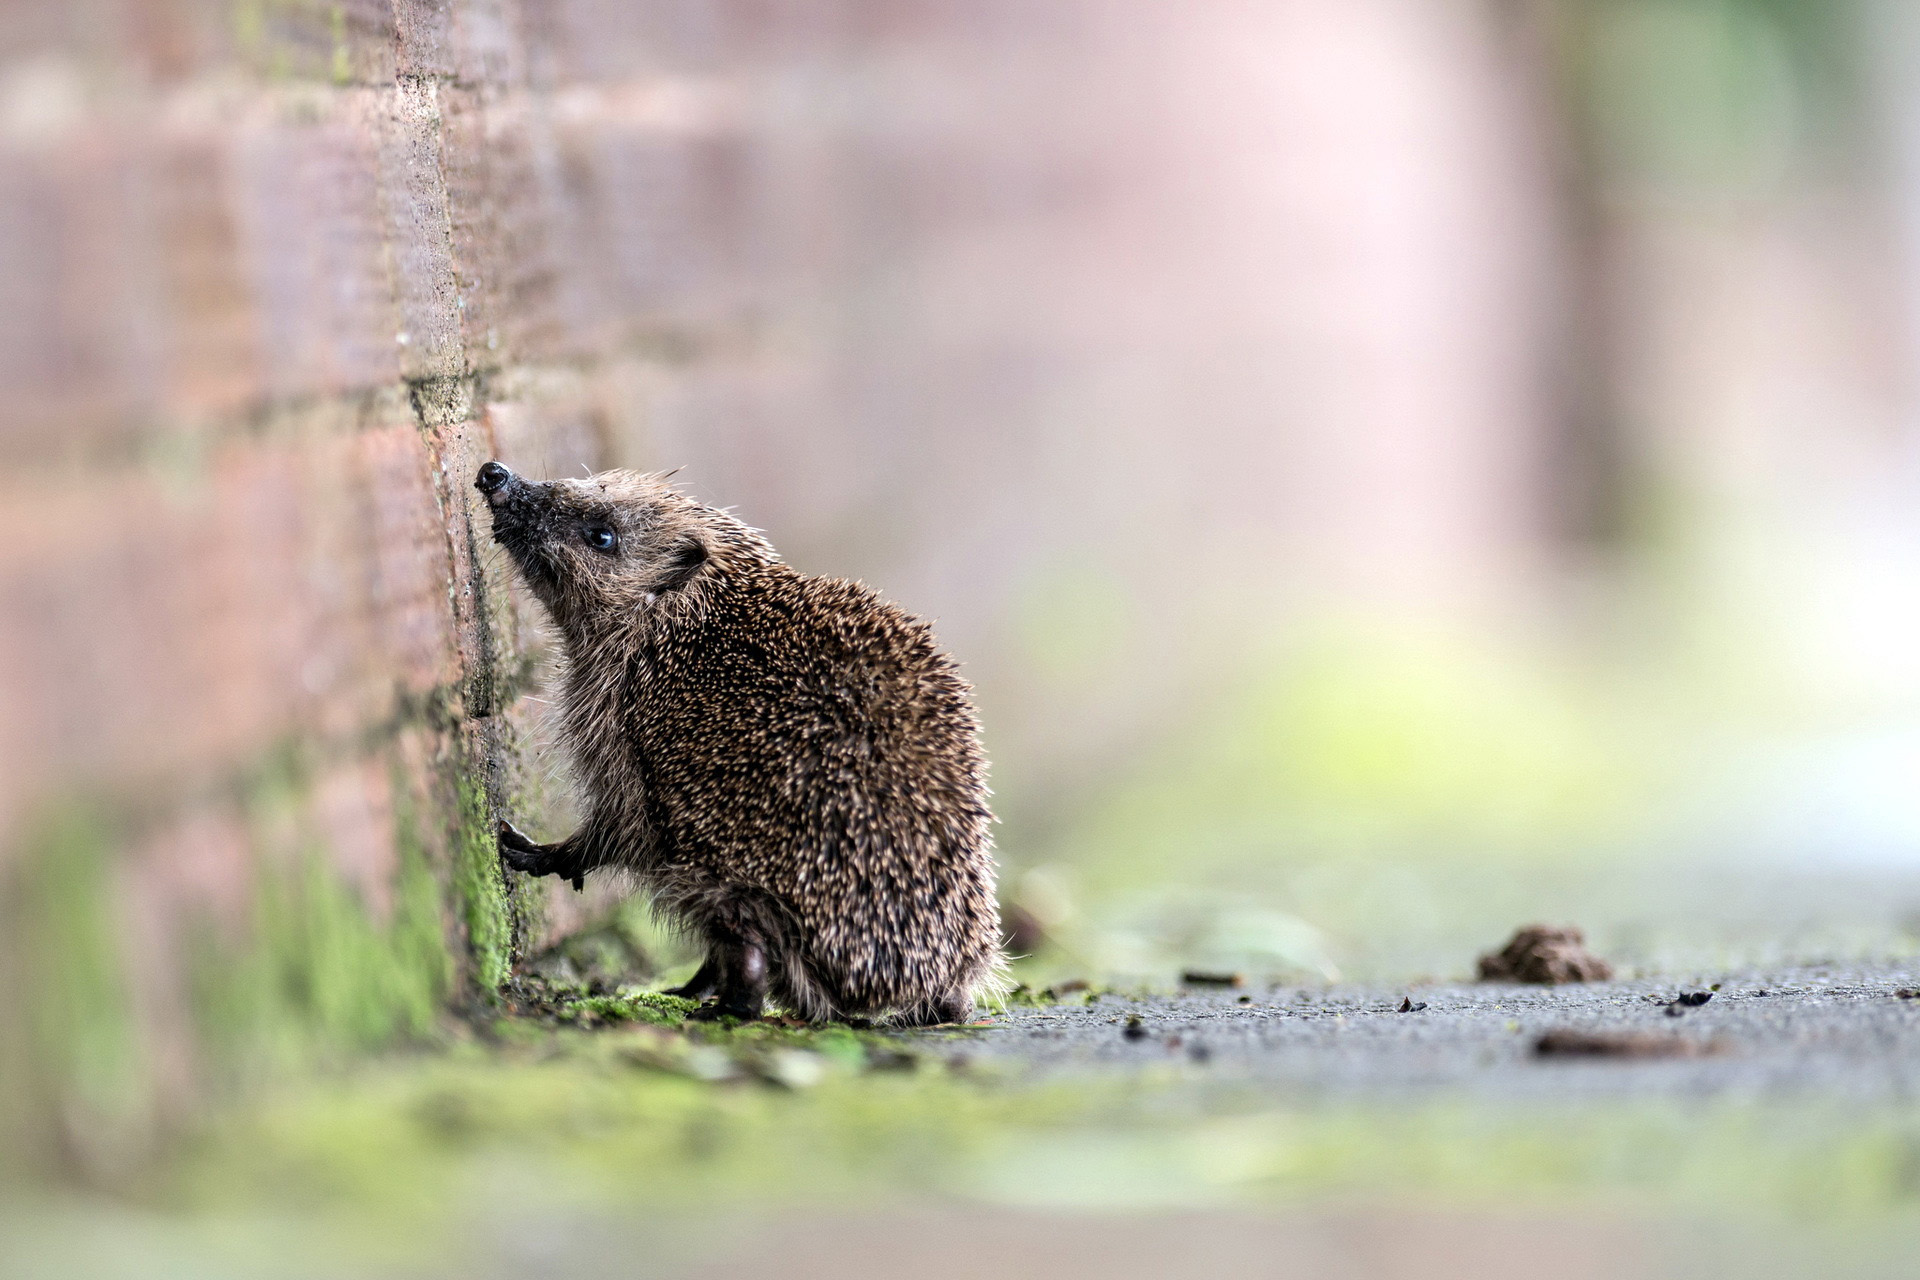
(1135, 1029)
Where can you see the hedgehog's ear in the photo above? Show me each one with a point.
(682, 561)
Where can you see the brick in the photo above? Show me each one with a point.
(342, 41)
(622, 392)
(312, 207)
(72, 354)
(210, 355)
(659, 214)
(161, 43)
(408, 595)
(484, 45)
(420, 233)
(351, 814)
(194, 870)
(505, 261)
(159, 636)
(549, 422)
(614, 40)
(198, 861)
(175, 41)
(473, 43)
(422, 38)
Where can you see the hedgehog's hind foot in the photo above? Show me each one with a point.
(700, 985)
(743, 985)
(955, 1006)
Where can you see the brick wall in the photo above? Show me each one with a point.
(279, 277)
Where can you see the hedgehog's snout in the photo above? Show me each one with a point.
(496, 482)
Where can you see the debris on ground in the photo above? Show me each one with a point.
(532, 997)
(1202, 978)
(1135, 1029)
(599, 960)
(1409, 1005)
(1906, 993)
(1619, 1044)
(1684, 1001)
(1545, 955)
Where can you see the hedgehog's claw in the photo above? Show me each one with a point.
(523, 854)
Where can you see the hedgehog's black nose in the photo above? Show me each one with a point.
(492, 476)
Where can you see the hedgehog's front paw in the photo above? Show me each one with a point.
(523, 854)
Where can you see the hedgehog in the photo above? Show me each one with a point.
(789, 765)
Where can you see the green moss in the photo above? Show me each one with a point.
(342, 66)
(480, 892)
(627, 1120)
(529, 996)
(639, 1006)
(82, 1049)
(316, 971)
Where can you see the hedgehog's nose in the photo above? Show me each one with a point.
(492, 478)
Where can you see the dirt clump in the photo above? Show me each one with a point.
(1203, 978)
(1545, 955)
(1620, 1044)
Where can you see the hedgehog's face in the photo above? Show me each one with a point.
(597, 547)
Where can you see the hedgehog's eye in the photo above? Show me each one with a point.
(598, 536)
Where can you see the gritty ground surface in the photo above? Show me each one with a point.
(1315, 1132)
(1833, 1030)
